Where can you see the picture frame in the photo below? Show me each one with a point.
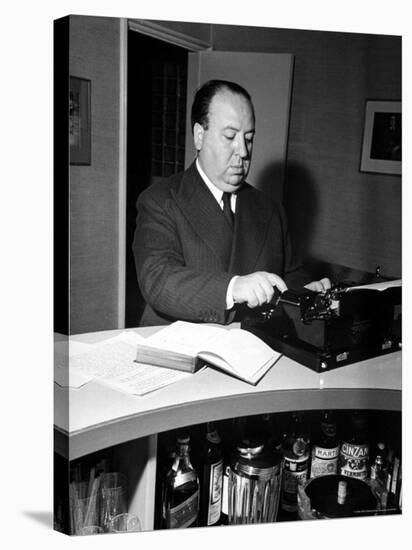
(382, 138)
(80, 121)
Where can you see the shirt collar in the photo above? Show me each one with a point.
(216, 192)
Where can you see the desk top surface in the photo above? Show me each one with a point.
(95, 415)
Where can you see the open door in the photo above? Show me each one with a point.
(268, 79)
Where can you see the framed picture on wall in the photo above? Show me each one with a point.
(382, 138)
(79, 121)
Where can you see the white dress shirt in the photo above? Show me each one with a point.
(218, 194)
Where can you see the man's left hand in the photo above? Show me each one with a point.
(319, 286)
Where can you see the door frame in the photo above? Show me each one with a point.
(166, 35)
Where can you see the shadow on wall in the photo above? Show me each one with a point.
(270, 180)
(302, 206)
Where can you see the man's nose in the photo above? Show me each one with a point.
(241, 148)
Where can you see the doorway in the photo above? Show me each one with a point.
(156, 122)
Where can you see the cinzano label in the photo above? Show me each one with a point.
(355, 451)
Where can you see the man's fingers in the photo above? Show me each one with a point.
(326, 283)
(253, 300)
(319, 286)
(277, 281)
(256, 288)
(267, 291)
(263, 293)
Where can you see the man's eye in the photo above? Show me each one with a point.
(229, 136)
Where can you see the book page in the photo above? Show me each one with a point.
(185, 338)
(243, 352)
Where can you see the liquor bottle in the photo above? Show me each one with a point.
(379, 474)
(166, 457)
(210, 476)
(325, 447)
(181, 495)
(354, 451)
(394, 479)
(296, 461)
(378, 463)
(270, 432)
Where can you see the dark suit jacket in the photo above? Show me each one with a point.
(184, 254)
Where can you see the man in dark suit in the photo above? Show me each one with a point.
(207, 244)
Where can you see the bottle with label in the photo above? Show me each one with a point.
(379, 474)
(181, 495)
(378, 463)
(165, 459)
(325, 447)
(210, 463)
(354, 451)
(296, 461)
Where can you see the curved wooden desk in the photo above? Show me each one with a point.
(94, 416)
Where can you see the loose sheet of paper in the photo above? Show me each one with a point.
(112, 363)
(63, 375)
(376, 286)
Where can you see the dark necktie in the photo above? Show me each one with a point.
(227, 210)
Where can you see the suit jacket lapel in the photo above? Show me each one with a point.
(253, 213)
(204, 214)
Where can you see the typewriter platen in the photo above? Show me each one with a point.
(327, 330)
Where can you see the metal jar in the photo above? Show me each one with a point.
(254, 484)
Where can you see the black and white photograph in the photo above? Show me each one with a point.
(228, 344)
(225, 285)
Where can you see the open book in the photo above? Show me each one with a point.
(189, 346)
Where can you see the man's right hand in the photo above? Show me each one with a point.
(256, 289)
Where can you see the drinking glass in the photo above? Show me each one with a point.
(83, 508)
(113, 488)
(124, 523)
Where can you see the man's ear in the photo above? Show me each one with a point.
(198, 132)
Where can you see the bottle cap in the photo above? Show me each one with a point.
(213, 437)
(183, 439)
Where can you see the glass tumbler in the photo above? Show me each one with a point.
(123, 523)
(83, 507)
(113, 487)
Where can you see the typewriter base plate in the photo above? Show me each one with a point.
(316, 359)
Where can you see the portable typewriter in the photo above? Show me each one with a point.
(323, 331)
